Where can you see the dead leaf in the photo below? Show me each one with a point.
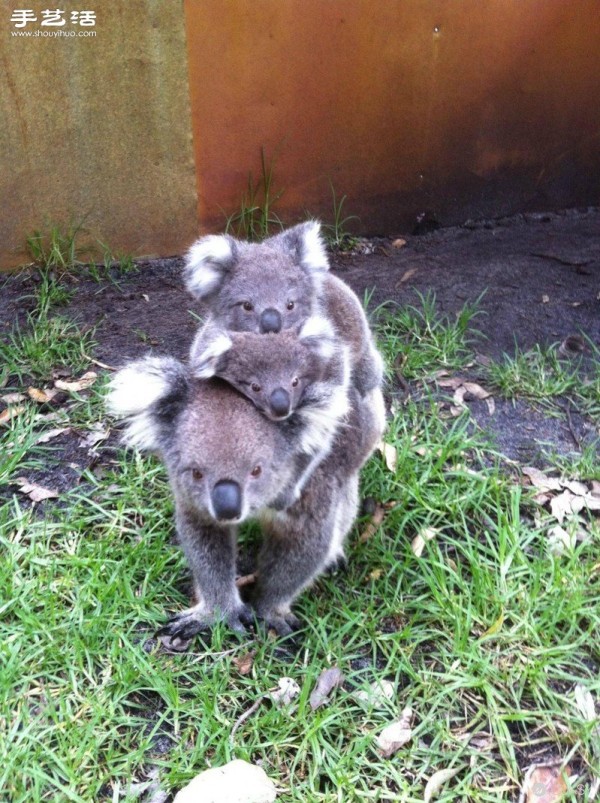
(491, 405)
(421, 538)
(389, 453)
(456, 411)
(495, 627)
(97, 433)
(243, 663)
(375, 574)
(396, 735)
(236, 781)
(10, 413)
(400, 242)
(36, 493)
(286, 692)
(595, 488)
(437, 780)
(539, 480)
(41, 396)
(585, 702)
(86, 381)
(561, 505)
(13, 398)
(373, 525)
(544, 783)
(51, 434)
(452, 382)
(571, 345)
(407, 274)
(545, 299)
(327, 681)
(559, 541)
(378, 694)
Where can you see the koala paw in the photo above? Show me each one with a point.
(181, 628)
(284, 624)
(338, 564)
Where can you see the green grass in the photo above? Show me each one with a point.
(486, 631)
(256, 219)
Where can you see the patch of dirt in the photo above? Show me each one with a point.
(537, 277)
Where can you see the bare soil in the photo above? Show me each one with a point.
(537, 277)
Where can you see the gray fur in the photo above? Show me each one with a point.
(289, 269)
(206, 427)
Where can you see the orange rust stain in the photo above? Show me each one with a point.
(458, 106)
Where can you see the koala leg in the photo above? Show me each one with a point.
(345, 514)
(296, 549)
(211, 552)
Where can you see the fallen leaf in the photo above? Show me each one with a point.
(41, 396)
(400, 242)
(10, 413)
(97, 433)
(559, 541)
(595, 488)
(146, 297)
(577, 488)
(407, 274)
(452, 382)
(544, 783)
(327, 681)
(37, 493)
(571, 345)
(243, 663)
(389, 453)
(455, 410)
(421, 538)
(475, 390)
(374, 524)
(286, 692)
(51, 434)
(378, 694)
(545, 299)
(561, 505)
(13, 398)
(491, 405)
(585, 702)
(396, 735)
(375, 574)
(236, 781)
(437, 780)
(539, 480)
(86, 381)
(495, 627)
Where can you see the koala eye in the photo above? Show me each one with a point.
(290, 305)
(256, 471)
(248, 306)
(197, 475)
(295, 381)
(255, 387)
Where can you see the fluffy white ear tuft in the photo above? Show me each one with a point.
(313, 251)
(134, 390)
(206, 263)
(317, 333)
(209, 345)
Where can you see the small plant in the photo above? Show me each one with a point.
(57, 250)
(256, 218)
(336, 234)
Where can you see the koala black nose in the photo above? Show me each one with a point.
(227, 499)
(279, 401)
(270, 321)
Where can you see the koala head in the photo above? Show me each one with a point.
(274, 371)
(259, 287)
(225, 460)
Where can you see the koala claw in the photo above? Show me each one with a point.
(181, 628)
(282, 624)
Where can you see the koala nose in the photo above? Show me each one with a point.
(270, 321)
(227, 499)
(279, 401)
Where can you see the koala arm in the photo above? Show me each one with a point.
(210, 551)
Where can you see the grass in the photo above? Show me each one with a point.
(485, 635)
(256, 218)
(336, 232)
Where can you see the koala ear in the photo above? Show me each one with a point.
(318, 335)
(207, 262)
(305, 244)
(209, 346)
(146, 393)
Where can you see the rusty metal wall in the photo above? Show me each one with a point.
(97, 129)
(459, 109)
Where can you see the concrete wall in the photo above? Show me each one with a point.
(97, 129)
(146, 132)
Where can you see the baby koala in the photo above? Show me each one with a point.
(301, 376)
(277, 285)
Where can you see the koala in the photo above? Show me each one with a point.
(302, 374)
(277, 285)
(227, 463)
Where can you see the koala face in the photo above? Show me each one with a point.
(225, 460)
(259, 287)
(274, 371)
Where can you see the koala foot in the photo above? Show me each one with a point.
(338, 564)
(181, 628)
(284, 623)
